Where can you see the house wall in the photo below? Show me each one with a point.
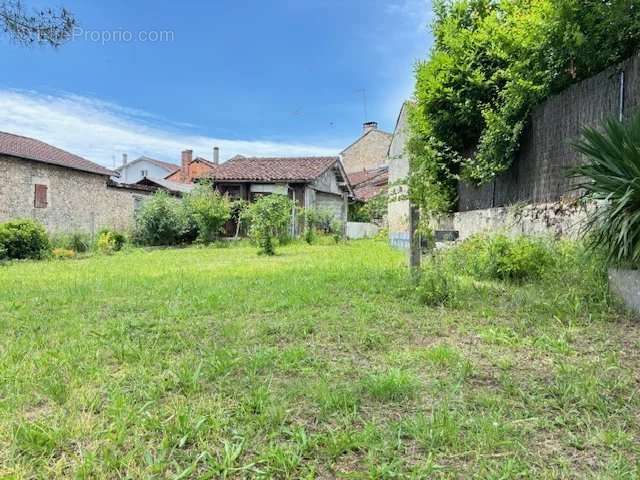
(77, 201)
(398, 207)
(131, 173)
(331, 202)
(196, 169)
(327, 182)
(369, 151)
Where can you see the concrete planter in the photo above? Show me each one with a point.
(625, 284)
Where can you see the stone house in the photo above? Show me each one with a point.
(63, 191)
(143, 167)
(368, 152)
(194, 168)
(398, 209)
(311, 182)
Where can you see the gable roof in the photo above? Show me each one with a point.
(369, 183)
(169, 167)
(364, 176)
(32, 149)
(272, 169)
(364, 135)
(177, 187)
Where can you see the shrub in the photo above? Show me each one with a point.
(162, 220)
(492, 62)
(110, 241)
(320, 220)
(79, 242)
(270, 219)
(209, 210)
(436, 284)
(23, 238)
(612, 178)
(63, 253)
(501, 257)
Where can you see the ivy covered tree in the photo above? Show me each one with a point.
(39, 26)
(492, 62)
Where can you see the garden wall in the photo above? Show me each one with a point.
(538, 175)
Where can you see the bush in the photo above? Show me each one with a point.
(501, 257)
(110, 241)
(79, 242)
(209, 210)
(320, 221)
(163, 220)
(492, 62)
(436, 284)
(23, 238)
(270, 220)
(611, 177)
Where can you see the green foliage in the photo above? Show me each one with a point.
(23, 238)
(163, 220)
(237, 210)
(437, 284)
(502, 257)
(612, 179)
(270, 219)
(321, 221)
(209, 210)
(492, 62)
(110, 241)
(79, 242)
(372, 211)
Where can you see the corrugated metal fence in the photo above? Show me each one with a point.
(539, 172)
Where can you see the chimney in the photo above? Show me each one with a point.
(367, 126)
(124, 159)
(187, 156)
(216, 155)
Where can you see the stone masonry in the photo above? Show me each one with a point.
(77, 200)
(368, 152)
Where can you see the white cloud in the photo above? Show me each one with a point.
(102, 131)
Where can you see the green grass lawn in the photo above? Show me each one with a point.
(317, 363)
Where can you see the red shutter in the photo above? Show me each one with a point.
(40, 196)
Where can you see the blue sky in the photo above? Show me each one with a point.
(254, 77)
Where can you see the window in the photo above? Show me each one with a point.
(144, 173)
(40, 196)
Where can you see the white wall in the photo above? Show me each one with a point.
(131, 173)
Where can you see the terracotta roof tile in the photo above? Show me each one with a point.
(369, 183)
(32, 149)
(356, 178)
(277, 169)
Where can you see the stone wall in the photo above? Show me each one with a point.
(77, 201)
(558, 219)
(368, 152)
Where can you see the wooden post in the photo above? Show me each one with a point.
(414, 239)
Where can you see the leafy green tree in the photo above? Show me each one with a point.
(163, 220)
(209, 210)
(492, 62)
(270, 219)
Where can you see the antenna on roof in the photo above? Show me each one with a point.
(364, 101)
